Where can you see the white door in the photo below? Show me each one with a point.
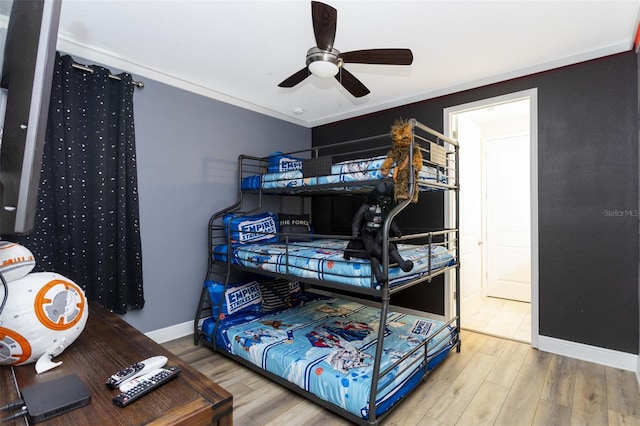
(479, 112)
(508, 217)
(469, 136)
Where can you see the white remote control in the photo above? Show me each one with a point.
(135, 382)
(136, 370)
(143, 387)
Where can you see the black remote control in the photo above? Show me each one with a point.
(135, 370)
(161, 377)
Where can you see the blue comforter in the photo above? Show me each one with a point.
(360, 170)
(328, 346)
(323, 260)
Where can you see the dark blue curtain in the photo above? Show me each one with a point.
(87, 224)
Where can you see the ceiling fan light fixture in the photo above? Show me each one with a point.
(323, 69)
(323, 63)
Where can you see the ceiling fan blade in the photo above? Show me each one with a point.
(351, 83)
(379, 56)
(324, 24)
(295, 78)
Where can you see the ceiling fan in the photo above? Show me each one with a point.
(325, 61)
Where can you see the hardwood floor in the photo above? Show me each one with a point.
(501, 318)
(492, 381)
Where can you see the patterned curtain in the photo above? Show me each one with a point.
(87, 224)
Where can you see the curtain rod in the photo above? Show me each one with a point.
(138, 84)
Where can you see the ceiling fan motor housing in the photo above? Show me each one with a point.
(324, 63)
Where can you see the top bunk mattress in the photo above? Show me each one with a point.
(346, 172)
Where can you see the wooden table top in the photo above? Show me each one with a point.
(107, 344)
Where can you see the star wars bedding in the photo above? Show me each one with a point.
(324, 260)
(327, 347)
(287, 172)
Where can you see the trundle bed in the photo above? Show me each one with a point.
(288, 303)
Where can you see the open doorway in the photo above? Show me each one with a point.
(498, 214)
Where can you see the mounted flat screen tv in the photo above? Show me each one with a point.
(25, 88)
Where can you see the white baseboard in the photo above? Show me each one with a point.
(595, 354)
(638, 373)
(172, 332)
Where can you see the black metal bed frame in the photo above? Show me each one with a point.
(438, 151)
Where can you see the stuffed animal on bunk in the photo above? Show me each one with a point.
(402, 138)
(366, 231)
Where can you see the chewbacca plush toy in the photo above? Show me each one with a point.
(401, 134)
(366, 231)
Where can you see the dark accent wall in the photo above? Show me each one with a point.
(587, 187)
(333, 215)
(638, 121)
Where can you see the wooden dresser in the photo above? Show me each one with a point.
(106, 345)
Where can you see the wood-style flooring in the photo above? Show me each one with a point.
(501, 318)
(492, 381)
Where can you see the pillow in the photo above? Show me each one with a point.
(279, 162)
(240, 299)
(295, 224)
(261, 227)
(251, 182)
(276, 294)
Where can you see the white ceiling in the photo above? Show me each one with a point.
(238, 51)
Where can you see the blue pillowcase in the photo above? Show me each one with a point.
(247, 298)
(240, 299)
(251, 182)
(279, 162)
(262, 227)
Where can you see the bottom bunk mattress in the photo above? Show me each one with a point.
(327, 348)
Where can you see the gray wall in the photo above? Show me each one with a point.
(187, 149)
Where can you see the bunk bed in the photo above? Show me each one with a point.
(292, 305)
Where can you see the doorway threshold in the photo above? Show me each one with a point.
(507, 319)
